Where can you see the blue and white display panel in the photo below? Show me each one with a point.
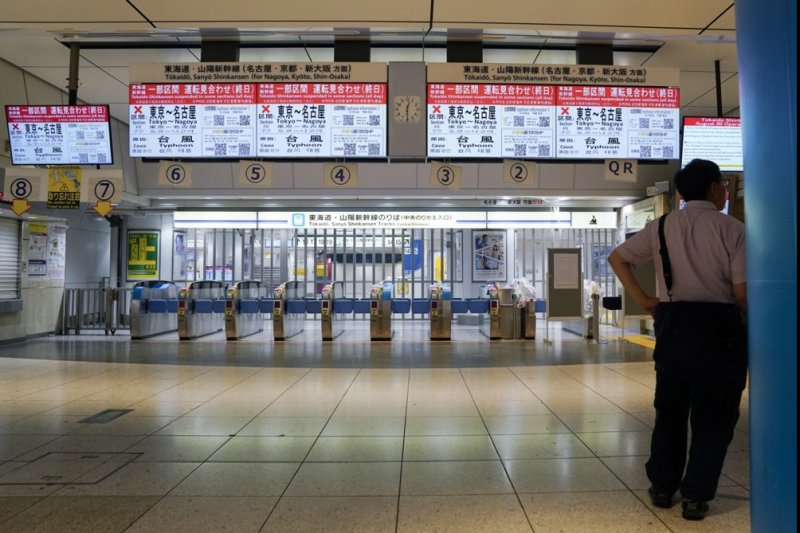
(59, 134)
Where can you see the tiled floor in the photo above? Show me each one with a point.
(444, 446)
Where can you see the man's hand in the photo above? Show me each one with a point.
(650, 304)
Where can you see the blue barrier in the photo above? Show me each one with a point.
(361, 306)
(295, 306)
(343, 305)
(540, 306)
(420, 305)
(156, 306)
(266, 304)
(172, 305)
(314, 306)
(249, 306)
(203, 306)
(401, 305)
(218, 306)
(479, 305)
(459, 305)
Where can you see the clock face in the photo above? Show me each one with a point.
(407, 109)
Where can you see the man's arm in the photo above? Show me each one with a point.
(740, 293)
(624, 271)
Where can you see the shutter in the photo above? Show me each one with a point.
(9, 259)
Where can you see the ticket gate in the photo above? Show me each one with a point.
(440, 312)
(332, 320)
(243, 315)
(154, 308)
(288, 311)
(380, 311)
(504, 315)
(201, 306)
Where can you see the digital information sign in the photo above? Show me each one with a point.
(245, 120)
(487, 110)
(59, 135)
(716, 139)
(546, 121)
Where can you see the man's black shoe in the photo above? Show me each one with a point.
(694, 509)
(659, 499)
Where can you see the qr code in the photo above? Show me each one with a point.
(544, 122)
(349, 149)
(83, 158)
(544, 150)
(219, 120)
(374, 149)
(644, 152)
(520, 150)
(519, 122)
(374, 120)
(80, 135)
(669, 123)
(244, 120)
(244, 149)
(347, 120)
(101, 158)
(220, 149)
(644, 123)
(668, 152)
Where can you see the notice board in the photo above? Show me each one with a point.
(564, 283)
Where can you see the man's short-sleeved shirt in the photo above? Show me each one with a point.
(706, 252)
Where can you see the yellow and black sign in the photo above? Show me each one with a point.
(64, 188)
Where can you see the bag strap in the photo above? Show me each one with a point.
(665, 256)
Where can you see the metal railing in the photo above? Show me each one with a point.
(103, 309)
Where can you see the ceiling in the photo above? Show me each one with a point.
(683, 34)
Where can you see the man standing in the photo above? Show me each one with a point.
(701, 336)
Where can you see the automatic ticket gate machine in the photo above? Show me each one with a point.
(154, 308)
(380, 311)
(243, 310)
(440, 312)
(332, 321)
(504, 316)
(201, 305)
(288, 311)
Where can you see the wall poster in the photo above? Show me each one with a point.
(489, 255)
(179, 256)
(56, 252)
(143, 254)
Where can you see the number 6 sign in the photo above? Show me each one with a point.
(175, 174)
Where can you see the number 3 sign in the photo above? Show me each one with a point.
(446, 176)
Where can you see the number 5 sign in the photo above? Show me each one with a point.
(254, 175)
(175, 174)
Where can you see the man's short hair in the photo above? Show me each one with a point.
(694, 180)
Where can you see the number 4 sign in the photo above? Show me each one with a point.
(340, 175)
